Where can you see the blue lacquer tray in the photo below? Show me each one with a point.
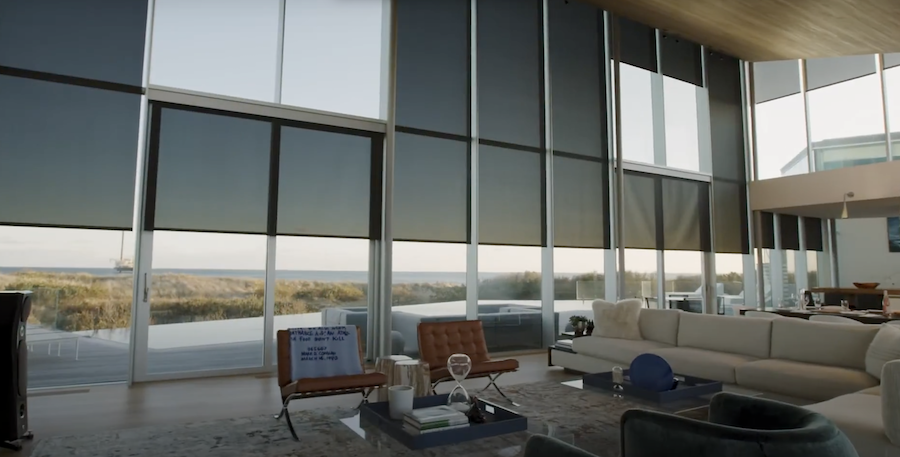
(498, 421)
(688, 387)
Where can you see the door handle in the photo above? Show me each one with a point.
(146, 288)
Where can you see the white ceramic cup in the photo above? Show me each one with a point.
(400, 401)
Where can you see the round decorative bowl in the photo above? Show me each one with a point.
(866, 285)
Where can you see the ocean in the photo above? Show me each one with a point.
(399, 277)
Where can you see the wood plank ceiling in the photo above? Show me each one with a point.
(758, 30)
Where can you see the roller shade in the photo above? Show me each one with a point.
(211, 173)
(730, 211)
(67, 154)
(510, 197)
(433, 65)
(681, 59)
(431, 193)
(775, 79)
(639, 212)
(510, 81)
(580, 207)
(832, 70)
(684, 204)
(726, 117)
(637, 44)
(767, 230)
(892, 60)
(812, 227)
(577, 63)
(789, 226)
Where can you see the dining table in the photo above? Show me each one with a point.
(866, 317)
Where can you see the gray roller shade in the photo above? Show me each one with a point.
(94, 39)
(509, 197)
(730, 210)
(509, 72)
(832, 70)
(726, 117)
(681, 59)
(578, 84)
(324, 183)
(892, 60)
(430, 189)
(637, 44)
(433, 65)
(789, 227)
(776, 79)
(812, 227)
(639, 213)
(579, 209)
(213, 173)
(681, 204)
(767, 230)
(67, 154)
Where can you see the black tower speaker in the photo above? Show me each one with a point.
(14, 310)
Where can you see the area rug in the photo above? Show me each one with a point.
(587, 419)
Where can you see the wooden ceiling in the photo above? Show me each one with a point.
(758, 30)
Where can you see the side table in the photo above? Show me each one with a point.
(404, 371)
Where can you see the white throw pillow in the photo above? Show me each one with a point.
(617, 320)
(890, 400)
(884, 348)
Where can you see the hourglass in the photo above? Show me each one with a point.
(459, 366)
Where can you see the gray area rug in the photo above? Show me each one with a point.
(589, 420)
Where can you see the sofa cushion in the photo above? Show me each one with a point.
(890, 400)
(660, 325)
(871, 390)
(703, 363)
(614, 349)
(617, 320)
(822, 343)
(802, 380)
(736, 335)
(859, 417)
(884, 348)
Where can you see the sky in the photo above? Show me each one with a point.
(333, 61)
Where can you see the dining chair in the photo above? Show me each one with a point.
(763, 314)
(834, 319)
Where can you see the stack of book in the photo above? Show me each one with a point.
(433, 419)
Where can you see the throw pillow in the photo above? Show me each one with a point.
(884, 348)
(890, 400)
(617, 320)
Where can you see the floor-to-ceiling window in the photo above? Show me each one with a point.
(892, 98)
(510, 173)
(580, 160)
(70, 111)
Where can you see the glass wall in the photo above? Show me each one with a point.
(578, 280)
(321, 281)
(892, 94)
(82, 281)
(429, 285)
(730, 284)
(235, 190)
(509, 297)
(206, 303)
(684, 281)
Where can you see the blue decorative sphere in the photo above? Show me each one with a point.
(651, 372)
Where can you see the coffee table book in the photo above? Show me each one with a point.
(688, 387)
(498, 421)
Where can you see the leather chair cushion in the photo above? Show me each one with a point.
(478, 369)
(312, 385)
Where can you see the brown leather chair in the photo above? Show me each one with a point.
(320, 387)
(439, 340)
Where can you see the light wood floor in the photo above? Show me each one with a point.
(96, 409)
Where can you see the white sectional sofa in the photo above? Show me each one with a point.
(822, 365)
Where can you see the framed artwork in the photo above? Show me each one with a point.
(893, 229)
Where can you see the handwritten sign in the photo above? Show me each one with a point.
(319, 352)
